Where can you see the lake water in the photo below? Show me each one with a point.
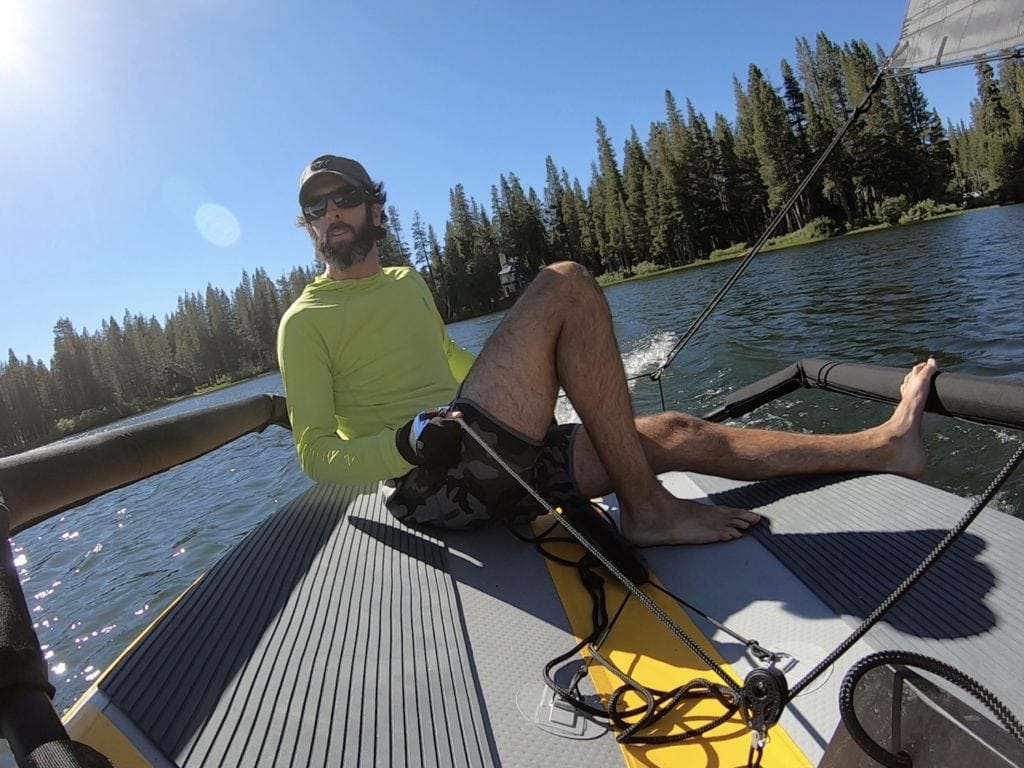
(97, 575)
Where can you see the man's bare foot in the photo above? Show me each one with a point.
(904, 452)
(682, 521)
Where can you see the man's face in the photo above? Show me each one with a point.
(343, 237)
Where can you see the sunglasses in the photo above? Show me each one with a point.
(345, 198)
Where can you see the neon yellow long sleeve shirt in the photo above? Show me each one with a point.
(359, 358)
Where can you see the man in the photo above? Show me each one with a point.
(367, 364)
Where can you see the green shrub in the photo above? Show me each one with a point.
(95, 417)
(646, 268)
(732, 250)
(611, 277)
(926, 209)
(891, 209)
(816, 229)
(823, 226)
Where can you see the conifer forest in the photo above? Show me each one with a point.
(688, 186)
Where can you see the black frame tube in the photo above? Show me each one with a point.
(991, 401)
(43, 482)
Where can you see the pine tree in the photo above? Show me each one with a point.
(75, 371)
(117, 363)
(394, 251)
(438, 269)
(556, 216)
(702, 167)
(774, 144)
(615, 250)
(458, 251)
(266, 316)
(224, 336)
(671, 235)
(243, 301)
(828, 106)
(635, 179)
(1011, 84)
(421, 253)
(992, 124)
(745, 195)
(582, 215)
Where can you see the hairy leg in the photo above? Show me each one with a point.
(559, 333)
(676, 441)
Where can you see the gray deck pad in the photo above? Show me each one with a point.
(332, 635)
(853, 539)
(314, 642)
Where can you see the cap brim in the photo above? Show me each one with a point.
(325, 172)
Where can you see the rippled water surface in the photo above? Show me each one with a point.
(97, 575)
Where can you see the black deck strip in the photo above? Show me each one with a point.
(853, 539)
(275, 657)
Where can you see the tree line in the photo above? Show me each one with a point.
(691, 187)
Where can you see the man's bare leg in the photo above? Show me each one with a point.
(676, 441)
(559, 333)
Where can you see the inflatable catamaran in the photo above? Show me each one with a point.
(868, 620)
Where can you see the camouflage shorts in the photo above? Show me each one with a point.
(477, 491)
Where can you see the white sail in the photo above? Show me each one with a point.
(946, 33)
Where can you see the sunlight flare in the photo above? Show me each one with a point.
(13, 34)
(217, 224)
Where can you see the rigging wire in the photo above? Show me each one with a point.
(740, 693)
(776, 220)
(736, 689)
(930, 559)
(646, 601)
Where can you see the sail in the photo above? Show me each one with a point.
(947, 33)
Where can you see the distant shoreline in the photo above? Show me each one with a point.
(722, 257)
(730, 256)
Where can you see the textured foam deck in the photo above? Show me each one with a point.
(332, 635)
(853, 539)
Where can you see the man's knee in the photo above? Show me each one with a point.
(670, 425)
(569, 269)
(569, 278)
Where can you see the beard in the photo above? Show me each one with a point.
(343, 255)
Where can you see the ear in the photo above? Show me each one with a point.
(375, 211)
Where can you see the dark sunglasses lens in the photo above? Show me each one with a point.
(316, 209)
(348, 198)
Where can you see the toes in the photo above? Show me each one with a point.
(746, 517)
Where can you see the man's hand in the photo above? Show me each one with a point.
(431, 439)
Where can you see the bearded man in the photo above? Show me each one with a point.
(375, 387)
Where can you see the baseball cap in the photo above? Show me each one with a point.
(347, 169)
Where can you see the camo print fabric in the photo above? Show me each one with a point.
(477, 491)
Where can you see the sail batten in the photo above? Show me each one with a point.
(945, 33)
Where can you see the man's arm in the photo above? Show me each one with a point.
(324, 455)
(459, 360)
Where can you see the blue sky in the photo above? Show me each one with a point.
(150, 148)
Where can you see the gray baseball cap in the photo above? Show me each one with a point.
(345, 168)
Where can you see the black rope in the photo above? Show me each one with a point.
(706, 312)
(930, 559)
(648, 603)
(902, 760)
(658, 704)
